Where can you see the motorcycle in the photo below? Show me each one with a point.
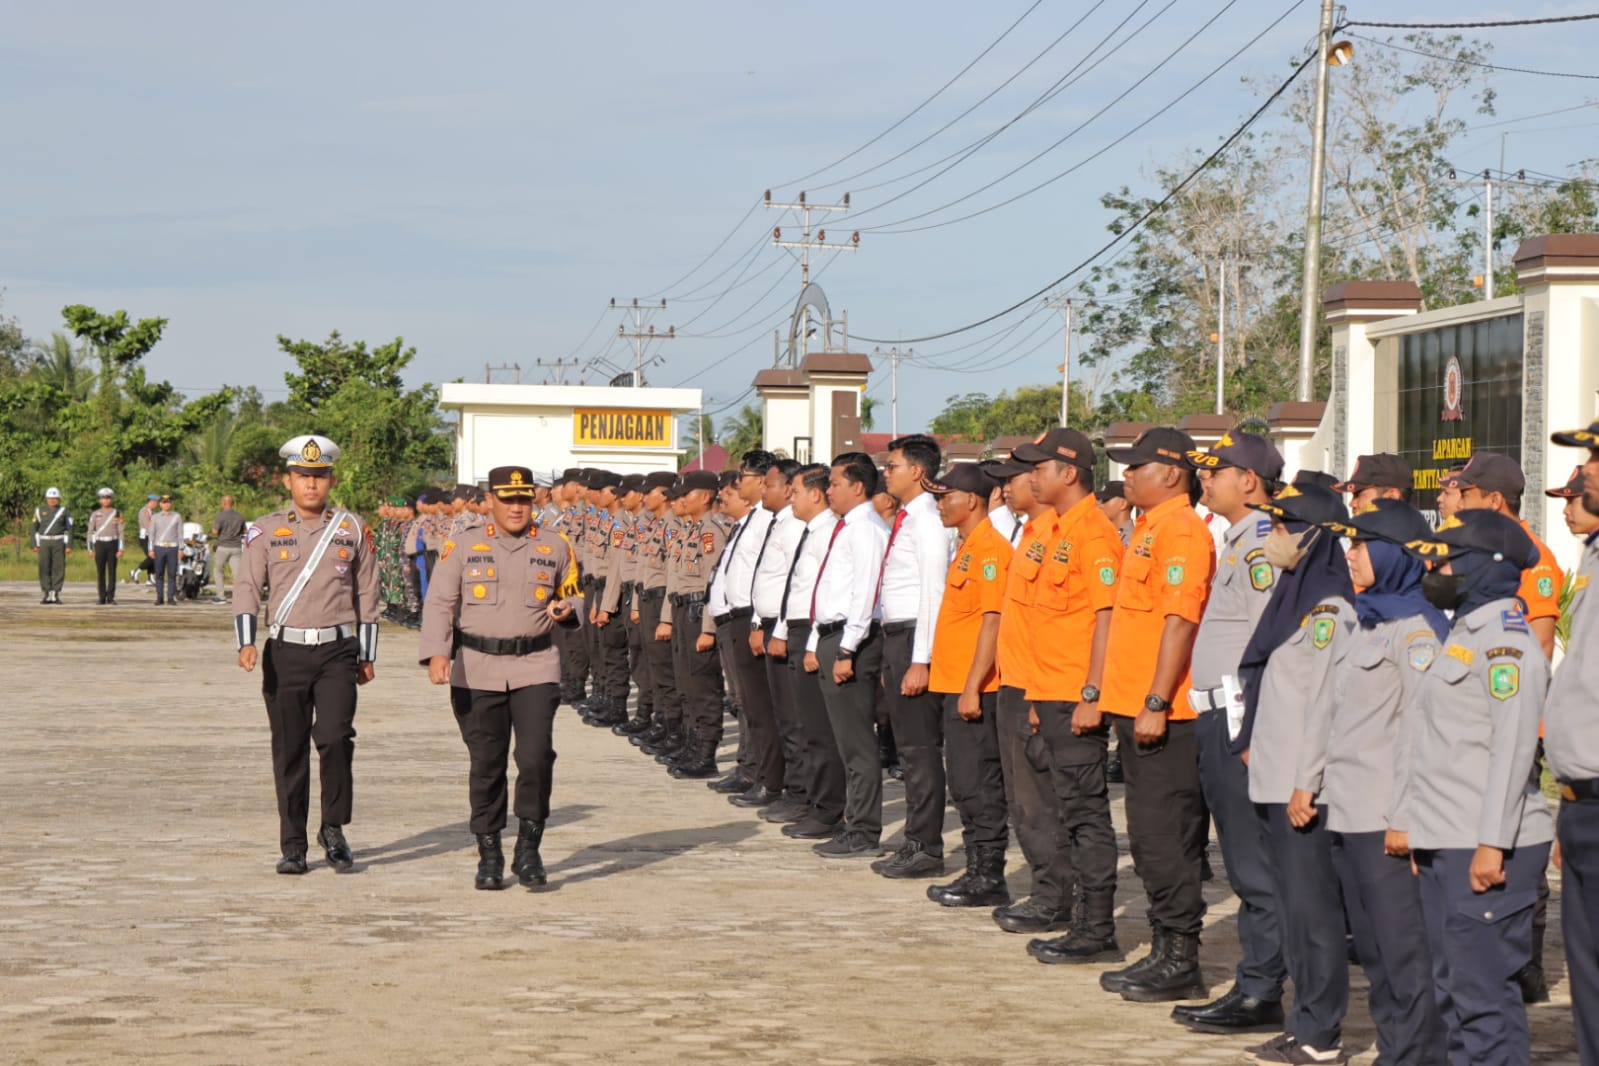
(194, 561)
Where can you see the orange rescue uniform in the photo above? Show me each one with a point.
(1540, 585)
(974, 587)
(1077, 579)
(1016, 656)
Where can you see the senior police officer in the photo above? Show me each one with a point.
(104, 539)
(322, 639)
(1571, 741)
(495, 597)
(52, 543)
(1479, 826)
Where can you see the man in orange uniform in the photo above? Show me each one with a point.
(964, 675)
(1069, 618)
(1165, 580)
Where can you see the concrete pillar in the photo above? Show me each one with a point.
(1364, 395)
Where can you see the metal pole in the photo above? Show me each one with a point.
(1066, 368)
(1310, 298)
(1221, 338)
(893, 403)
(1488, 238)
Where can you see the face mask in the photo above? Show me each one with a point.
(1284, 550)
(1444, 591)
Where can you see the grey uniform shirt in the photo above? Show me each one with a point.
(654, 536)
(105, 524)
(1571, 717)
(1238, 594)
(166, 529)
(1365, 773)
(1472, 779)
(342, 590)
(1293, 703)
(229, 525)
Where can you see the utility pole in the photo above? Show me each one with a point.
(1310, 298)
(1221, 338)
(489, 369)
(642, 333)
(1488, 236)
(557, 369)
(806, 243)
(894, 356)
(1064, 303)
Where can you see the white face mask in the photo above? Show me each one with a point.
(1284, 550)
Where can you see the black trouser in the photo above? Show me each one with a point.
(852, 716)
(105, 569)
(1225, 779)
(976, 780)
(310, 697)
(593, 648)
(697, 675)
(919, 737)
(1579, 917)
(148, 564)
(1311, 916)
(638, 662)
(575, 646)
(821, 767)
(733, 689)
(1085, 840)
(1030, 802)
(166, 574)
(1383, 904)
(613, 639)
(1163, 811)
(790, 731)
(759, 722)
(487, 721)
(668, 700)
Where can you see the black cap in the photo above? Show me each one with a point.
(1381, 471)
(1386, 519)
(1311, 504)
(1317, 477)
(602, 479)
(1490, 472)
(1578, 438)
(1061, 444)
(511, 482)
(1574, 486)
(631, 483)
(571, 473)
(961, 477)
(660, 479)
(1111, 490)
(691, 480)
(727, 479)
(1245, 451)
(1159, 444)
(1477, 530)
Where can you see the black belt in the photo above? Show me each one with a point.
(827, 629)
(722, 619)
(1577, 791)
(503, 645)
(741, 612)
(652, 594)
(767, 625)
(683, 599)
(891, 628)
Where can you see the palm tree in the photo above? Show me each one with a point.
(743, 432)
(869, 412)
(56, 362)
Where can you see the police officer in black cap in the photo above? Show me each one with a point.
(686, 623)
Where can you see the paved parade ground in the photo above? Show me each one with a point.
(141, 921)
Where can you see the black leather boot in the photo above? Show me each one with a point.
(636, 725)
(525, 861)
(616, 714)
(490, 863)
(1174, 974)
(1116, 980)
(986, 888)
(331, 837)
(936, 893)
(670, 745)
(698, 761)
(1092, 937)
(1234, 1012)
(652, 735)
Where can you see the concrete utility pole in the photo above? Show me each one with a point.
(641, 334)
(1064, 303)
(806, 243)
(1488, 235)
(1310, 298)
(557, 370)
(488, 372)
(1221, 338)
(894, 356)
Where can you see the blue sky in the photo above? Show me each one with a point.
(482, 178)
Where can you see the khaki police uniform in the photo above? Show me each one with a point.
(104, 538)
(623, 599)
(692, 561)
(656, 539)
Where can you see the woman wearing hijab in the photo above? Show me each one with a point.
(1362, 774)
(1285, 670)
(1479, 827)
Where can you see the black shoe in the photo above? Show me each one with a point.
(985, 881)
(785, 811)
(1113, 769)
(293, 862)
(1234, 1012)
(897, 772)
(936, 893)
(1173, 975)
(1205, 872)
(632, 727)
(1031, 916)
(46, 599)
(698, 764)
(849, 844)
(731, 785)
(811, 828)
(490, 863)
(525, 861)
(331, 837)
(1116, 980)
(1077, 946)
(912, 860)
(755, 796)
(1534, 985)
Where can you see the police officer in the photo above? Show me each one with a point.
(1571, 741)
(495, 597)
(1241, 469)
(1479, 826)
(621, 605)
(654, 520)
(166, 539)
(609, 643)
(52, 543)
(322, 639)
(104, 538)
(690, 628)
(567, 495)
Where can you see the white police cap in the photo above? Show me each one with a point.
(105, 494)
(310, 452)
(52, 494)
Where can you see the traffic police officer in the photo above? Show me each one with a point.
(494, 599)
(1479, 826)
(105, 540)
(52, 543)
(322, 639)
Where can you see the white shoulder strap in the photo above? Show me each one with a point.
(298, 587)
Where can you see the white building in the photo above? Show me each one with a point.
(552, 427)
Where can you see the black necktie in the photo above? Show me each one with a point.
(765, 540)
(782, 610)
(727, 552)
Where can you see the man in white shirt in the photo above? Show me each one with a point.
(915, 566)
(846, 648)
(767, 586)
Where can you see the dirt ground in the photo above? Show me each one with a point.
(141, 921)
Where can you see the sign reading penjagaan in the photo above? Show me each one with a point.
(621, 428)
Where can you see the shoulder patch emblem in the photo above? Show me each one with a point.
(1416, 634)
(1513, 621)
(1174, 575)
(1262, 527)
(1504, 680)
(445, 549)
(1324, 608)
(990, 571)
(1261, 576)
(1321, 632)
(1107, 575)
(1421, 658)
(1546, 587)
(251, 533)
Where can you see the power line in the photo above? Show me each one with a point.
(1133, 227)
(719, 246)
(1473, 62)
(1466, 25)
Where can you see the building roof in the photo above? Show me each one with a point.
(715, 458)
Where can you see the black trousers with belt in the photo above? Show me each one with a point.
(852, 715)
(105, 569)
(1030, 801)
(310, 698)
(667, 698)
(764, 749)
(698, 676)
(1085, 840)
(1579, 917)
(638, 662)
(790, 731)
(1164, 813)
(574, 645)
(612, 638)
(919, 735)
(821, 766)
(976, 779)
(488, 721)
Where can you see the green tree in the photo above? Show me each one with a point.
(326, 367)
(694, 432)
(869, 413)
(1028, 410)
(743, 431)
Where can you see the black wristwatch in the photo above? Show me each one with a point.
(846, 656)
(1090, 693)
(1153, 702)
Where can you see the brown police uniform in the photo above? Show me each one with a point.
(692, 561)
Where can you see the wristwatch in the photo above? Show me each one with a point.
(845, 656)
(1090, 693)
(1153, 702)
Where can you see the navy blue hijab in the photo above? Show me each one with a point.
(1397, 591)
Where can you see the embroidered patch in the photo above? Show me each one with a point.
(283, 531)
(963, 564)
(707, 542)
(251, 533)
(544, 549)
(1503, 653)
(541, 594)
(481, 548)
(344, 553)
(1063, 553)
(990, 572)
(1262, 527)
(490, 572)
(1579, 582)
(474, 572)
(479, 591)
(1546, 587)
(538, 575)
(1504, 680)
(1421, 657)
(340, 570)
(1035, 551)
(1465, 655)
(1513, 621)
(283, 553)
(488, 530)
(1321, 632)
(1107, 575)
(445, 549)
(1261, 576)
(1416, 634)
(1174, 575)
(1324, 608)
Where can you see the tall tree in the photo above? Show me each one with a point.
(743, 431)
